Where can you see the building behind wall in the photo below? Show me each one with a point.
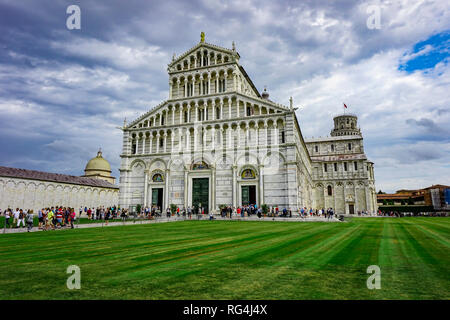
(218, 140)
(343, 176)
(31, 189)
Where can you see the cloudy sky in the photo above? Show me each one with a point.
(63, 92)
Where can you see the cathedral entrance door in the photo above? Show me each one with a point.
(157, 198)
(351, 208)
(200, 194)
(248, 195)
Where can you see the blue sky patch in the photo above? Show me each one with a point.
(426, 54)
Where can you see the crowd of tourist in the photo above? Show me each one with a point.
(230, 212)
(58, 217)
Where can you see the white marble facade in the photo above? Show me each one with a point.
(215, 126)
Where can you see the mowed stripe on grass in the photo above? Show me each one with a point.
(232, 260)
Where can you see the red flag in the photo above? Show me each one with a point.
(345, 106)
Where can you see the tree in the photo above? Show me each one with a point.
(264, 208)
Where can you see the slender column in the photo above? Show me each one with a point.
(257, 135)
(221, 110)
(237, 108)
(185, 188)
(247, 134)
(204, 139)
(213, 111)
(193, 87)
(229, 108)
(234, 186)
(367, 198)
(345, 202)
(217, 84)
(334, 197)
(234, 80)
(209, 83)
(188, 139)
(178, 88)
(170, 89)
(276, 134)
(196, 112)
(143, 144)
(181, 114)
(230, 133)
(189, 113)
(166, 193)
(238, 128)
(173, 115)
(225, 84)
(157, 142)
(355, 190)
(213, 189)
(222, 138)
(261, 185)
(185, 88)
(266, 133)
(151, 141)
(160, 118)
(213, 138)
(165, 142)
(145, 188)
(195, 138)
(171, 141)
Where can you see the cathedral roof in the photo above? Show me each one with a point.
(200, 45)
(53, 177)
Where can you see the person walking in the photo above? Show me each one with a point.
(107, 215)
(21, 219)
(16, 216)
(40, 218)
(7, 217)
(29, 218)
(72, 217)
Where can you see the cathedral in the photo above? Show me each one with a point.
(218, 141)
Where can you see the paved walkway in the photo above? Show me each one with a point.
(173, 219)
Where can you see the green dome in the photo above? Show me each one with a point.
(98, 164)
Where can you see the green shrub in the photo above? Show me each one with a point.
(264, 208)
(173, 208)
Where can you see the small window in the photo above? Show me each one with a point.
(283, 137)
(133, 149)
(349, 146)
(316, 148)
(325, 167)
(330, 190)
(356, 166)
(162, 120)
(332, 147)
(345, 166)
(161, 142)
(185, 116)
(335, 166)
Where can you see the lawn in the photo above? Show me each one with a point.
(232, 260)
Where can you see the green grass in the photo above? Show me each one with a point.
(232, 260)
